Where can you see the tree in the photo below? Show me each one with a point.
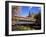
(38, 16)
(38, 20)
(15, 10)
(29, 14)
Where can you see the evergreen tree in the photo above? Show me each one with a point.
(29, 14)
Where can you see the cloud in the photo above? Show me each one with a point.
(30, 8)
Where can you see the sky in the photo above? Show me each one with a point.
(26, 9)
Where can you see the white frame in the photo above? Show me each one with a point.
(28, 31)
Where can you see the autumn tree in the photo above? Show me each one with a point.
(15, 10)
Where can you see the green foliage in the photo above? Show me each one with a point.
(22, 28)
(37, 16)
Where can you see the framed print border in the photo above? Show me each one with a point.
(7, 17)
